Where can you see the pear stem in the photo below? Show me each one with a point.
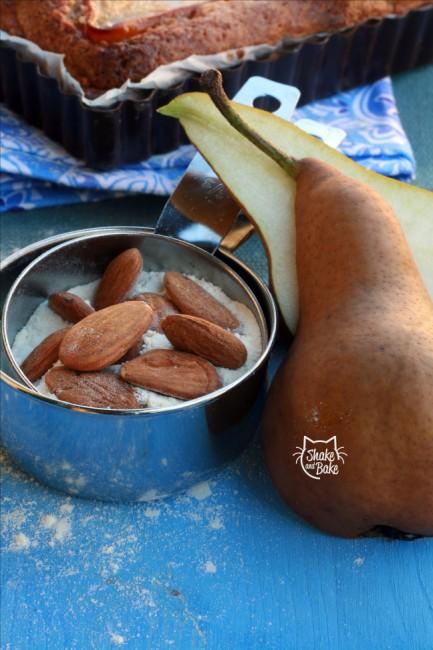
(211, 82)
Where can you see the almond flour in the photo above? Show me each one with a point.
(44, 321)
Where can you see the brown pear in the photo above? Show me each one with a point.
(360, 370)
(348, 426)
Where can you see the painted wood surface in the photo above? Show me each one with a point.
(226, 566)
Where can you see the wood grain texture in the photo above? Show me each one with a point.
(232, 570)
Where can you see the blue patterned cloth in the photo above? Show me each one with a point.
(36, 172)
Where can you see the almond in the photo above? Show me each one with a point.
(119, 278)
(102, 338)
(99, 389)
(161, 307)
(206, 339)
(177, 374)
(133, 351)
(190, 298)
(43, 356)
(69, 306)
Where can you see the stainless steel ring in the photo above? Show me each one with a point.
(131, 455)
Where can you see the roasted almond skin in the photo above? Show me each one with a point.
(102, 338)
(69, 306)
(98, 389)
(191, 299)
(160, 305)
(119, 278)
(206, 339)
(133, 351)
(177, 374)
(43, 356)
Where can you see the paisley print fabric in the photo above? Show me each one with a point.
(36, 172)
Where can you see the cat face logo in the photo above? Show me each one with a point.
(320, 457)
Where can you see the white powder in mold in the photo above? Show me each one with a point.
(44, 321)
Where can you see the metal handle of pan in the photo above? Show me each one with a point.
(200, 210)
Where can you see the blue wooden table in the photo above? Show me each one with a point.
(225, 566)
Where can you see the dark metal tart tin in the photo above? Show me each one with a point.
(131, 130)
